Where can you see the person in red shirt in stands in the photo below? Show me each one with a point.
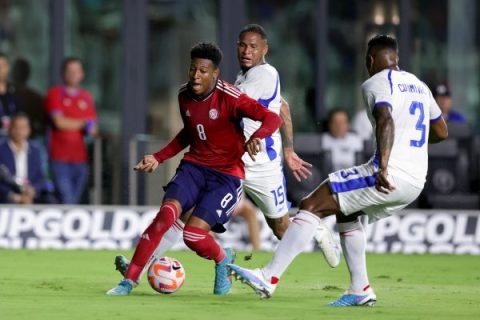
(72, 113)
(209, 176)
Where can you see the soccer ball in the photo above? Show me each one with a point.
(166, 275)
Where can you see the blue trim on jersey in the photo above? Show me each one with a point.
(354, 184)
(390, 80)
(289, 204)
(272, 154)
(266, 102)
(436, 119)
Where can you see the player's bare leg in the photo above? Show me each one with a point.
(278, 225)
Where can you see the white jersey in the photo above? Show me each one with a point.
(413, 108)
(343, 149)
(262, 83)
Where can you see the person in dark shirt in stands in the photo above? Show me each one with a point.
(444, 100)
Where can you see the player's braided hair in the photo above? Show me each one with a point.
(255, 28)
(382, 41)
(207, 50)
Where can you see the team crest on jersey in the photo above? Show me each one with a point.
(213, 114)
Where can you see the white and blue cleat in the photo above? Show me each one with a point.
(255, 279)
(122, 289)
(223, 279)
(355, 300)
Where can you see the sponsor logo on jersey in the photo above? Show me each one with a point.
(213, 114)
(187, 113)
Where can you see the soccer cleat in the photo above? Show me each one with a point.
(121, 264)
(355, 300)
(122, 289)
(329, 247)
(223, 279)
(255, 279)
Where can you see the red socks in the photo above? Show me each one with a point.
(150, 239)
(203, 244)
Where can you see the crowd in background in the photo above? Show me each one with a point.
(43, 154)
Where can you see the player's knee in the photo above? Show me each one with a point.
(279, 226)
(165, 217)
(280, 230)
(308, 204)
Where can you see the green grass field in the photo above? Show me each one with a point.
(72, 285)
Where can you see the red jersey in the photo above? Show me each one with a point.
(212, 128)
(69, 146)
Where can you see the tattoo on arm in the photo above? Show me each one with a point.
(286, 130)
(384, 133)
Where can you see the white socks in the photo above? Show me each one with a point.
(353, 241)
(296, 239)
(170, 238)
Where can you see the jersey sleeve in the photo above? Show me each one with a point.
(261, 84)
(246, 107)
(378, 91)
(177, 144)
(53, 102)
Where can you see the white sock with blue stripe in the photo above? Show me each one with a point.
(296, 239)
(353, 241)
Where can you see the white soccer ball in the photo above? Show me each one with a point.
(166, 275)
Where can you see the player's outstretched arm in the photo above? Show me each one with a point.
(384, 133)
(438, 131)
(299, 168)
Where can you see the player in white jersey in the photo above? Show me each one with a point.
(405, 118)
(264, 179)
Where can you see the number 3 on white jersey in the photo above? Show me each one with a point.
(201, 132)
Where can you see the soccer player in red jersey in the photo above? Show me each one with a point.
(209, 176)
(72, 113)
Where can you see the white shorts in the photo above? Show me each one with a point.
(355, 191)
(268, 192)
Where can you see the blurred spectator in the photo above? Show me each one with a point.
(444, 101)
(8, 103)
(361, 125)
(22, 175)
(73, 116)
(29, 101)
(342, 143)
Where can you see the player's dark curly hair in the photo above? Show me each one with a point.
(207, 50)
(256, 28)
(382, 41)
